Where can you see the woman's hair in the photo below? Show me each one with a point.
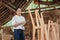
(18, 8)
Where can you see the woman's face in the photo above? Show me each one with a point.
(18, 12)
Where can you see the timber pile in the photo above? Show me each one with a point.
(44, 31)
(6, 34)
(48, 15)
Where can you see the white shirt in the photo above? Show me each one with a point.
(18, 19)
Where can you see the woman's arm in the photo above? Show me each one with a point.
(15, 24)
(21, 23)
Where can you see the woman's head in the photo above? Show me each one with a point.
(18, 11)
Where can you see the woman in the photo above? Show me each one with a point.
(18, 22)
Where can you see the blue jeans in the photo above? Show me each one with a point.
(19, 34)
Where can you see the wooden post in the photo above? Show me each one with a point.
(42, 27)
(53, 30)
(38, 25)
(57, 30)
(46, 32)
(33, 24)
(2, 34)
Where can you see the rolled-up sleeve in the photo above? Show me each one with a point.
(13, 21)
(24, 21)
